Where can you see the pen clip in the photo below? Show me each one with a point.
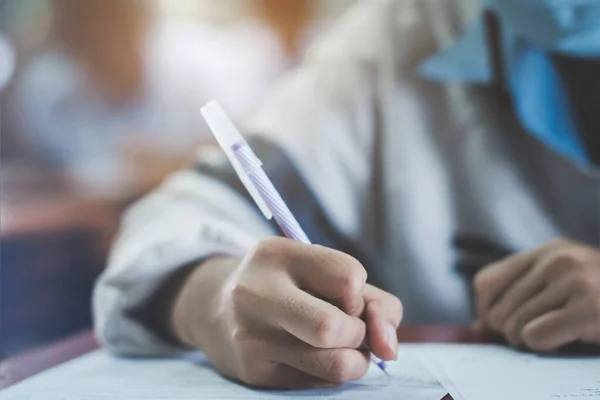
(227, 135)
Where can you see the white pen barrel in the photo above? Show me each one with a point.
(282, 214)
(268, 199)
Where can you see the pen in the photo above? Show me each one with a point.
(249, 169)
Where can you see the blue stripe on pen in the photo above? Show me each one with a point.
(297, 194)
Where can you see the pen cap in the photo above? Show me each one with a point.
(228, 135)
(221, 125)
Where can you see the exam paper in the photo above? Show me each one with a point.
(492, 372)
(99, 376)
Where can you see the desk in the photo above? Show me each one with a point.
(32, 362)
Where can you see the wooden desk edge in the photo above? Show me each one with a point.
(15, 369)
(30, 363)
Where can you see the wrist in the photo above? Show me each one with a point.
(194, 316)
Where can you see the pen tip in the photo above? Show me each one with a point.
(382, 366)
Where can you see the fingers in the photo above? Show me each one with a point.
(492, 283)
(315, 321)
(278, 376)
(332, 365)
(286, 293)
(493, 280)
(552, 277)
(383, 313)
(578, 320)
(554, 329)
(515, 296)
(333, 275)
(286, 377)
(549, 299)
(324, 272)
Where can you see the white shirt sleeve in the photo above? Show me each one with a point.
(189, 218)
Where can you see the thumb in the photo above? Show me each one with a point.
(383, 313)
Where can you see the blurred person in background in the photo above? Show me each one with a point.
(106, 84)
(412, 164)
(290, 20)
(115, 99)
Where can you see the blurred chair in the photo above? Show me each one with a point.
(53, 248)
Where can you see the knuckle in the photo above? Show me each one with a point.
(244, 295)
(557, 266)
(355, 279)
(482, 282)
(350, 275)
(269, 248)
(397, 305)
(582, 283)
(241, 294)
(394, 304)
(341, 368)
(327, 329)
(569, 256)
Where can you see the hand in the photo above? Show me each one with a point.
(543, 299)
(288, 316)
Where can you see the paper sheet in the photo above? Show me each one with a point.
(98, 376)
(491, 372)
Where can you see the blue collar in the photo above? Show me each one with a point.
(537, 92)
(541, 103)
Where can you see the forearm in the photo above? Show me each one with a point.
(194, 312)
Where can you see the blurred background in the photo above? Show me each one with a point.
(99, 101)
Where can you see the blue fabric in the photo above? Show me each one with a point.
(465, 61)
(541, 104)
(567, 26)
(531, 29)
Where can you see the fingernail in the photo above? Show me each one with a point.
(392, 340)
